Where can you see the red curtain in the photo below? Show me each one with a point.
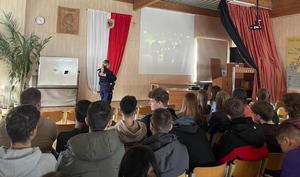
(261, 46)
(117, 40)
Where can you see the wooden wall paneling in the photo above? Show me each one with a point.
(138, 4)
(286, 7)
(262, 3)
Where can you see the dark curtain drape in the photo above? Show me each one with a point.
(117, 40)
(235, 36)
(261, 46)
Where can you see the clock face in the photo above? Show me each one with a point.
(39, 20)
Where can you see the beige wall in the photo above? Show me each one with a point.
(129, 80)
(17, 7)
(284, 27)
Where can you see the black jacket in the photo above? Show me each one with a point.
(191, 135)
(171, 156)
(270, 132)
(242, 135)
(147, 119)
(107, 82)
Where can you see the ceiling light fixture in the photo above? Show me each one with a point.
(256, 25)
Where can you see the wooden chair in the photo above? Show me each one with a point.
(65, 127)
(275, 161)
(183, 175)
(56, 116)
(243, 168)
(71, 115)
(144, 110)
(216, 171)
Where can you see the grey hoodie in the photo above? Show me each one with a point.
(29, 162)
(92, 154)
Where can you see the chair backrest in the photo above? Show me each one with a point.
(274, 161)
(144, 110)
(71, 115)
(56, 116)
(65, 127)
(183, 175)
(216, 171)
(243, 168)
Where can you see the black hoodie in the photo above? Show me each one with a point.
(191, 135)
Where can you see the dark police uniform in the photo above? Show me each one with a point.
(107, 83)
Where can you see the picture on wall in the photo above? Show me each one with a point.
(68, 20)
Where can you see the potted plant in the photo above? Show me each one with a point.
(20, 52)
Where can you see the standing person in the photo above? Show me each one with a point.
(106, 81)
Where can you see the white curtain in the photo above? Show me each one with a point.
(97, 45)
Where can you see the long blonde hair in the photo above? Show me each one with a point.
(221, 97)
(190, 107)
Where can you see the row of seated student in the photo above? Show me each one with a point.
(161, 144)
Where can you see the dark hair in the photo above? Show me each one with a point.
(31, 96)
(81, 109)
(137, 161)
(292, 104)
(105, 63)
(99, 114)
(128, 105)
(20, 121)
(202, 98)
(264, 109)
(161, 120)
(288, 129)
(263, 95)
(55, 174)
(234, 108)
(214, 90)
(240, 94)
(221, 97)
(159, 94)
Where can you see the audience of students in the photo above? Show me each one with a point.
(214, 90)
(190, 134)
(81, 108)
(97, 153)
(47, 130)
(139, 161)
(130, 130)
(159, 98)
(289, 140)
(21, 159)
(202, 98)
(172, 147)
(171, 156)
(263, 114)
(243, 140)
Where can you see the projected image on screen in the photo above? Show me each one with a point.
(167, 42)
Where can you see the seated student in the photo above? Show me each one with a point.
(139, 161)
(21, 159)
(159, 98)
(171, 156)
(47, 130)
(97, 153)
(263, 113)
(80, 126)
(241, 94)
(190, 134)
(202, 98)
(243, 140)
(292, 104)
(190, 109)
(218, 121)
(130, 131)
(289, 140)
(264, 95)
(214, 90)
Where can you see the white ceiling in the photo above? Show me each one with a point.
(206, 4)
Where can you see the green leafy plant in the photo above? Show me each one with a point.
(19, 51)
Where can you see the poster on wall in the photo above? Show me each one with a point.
(68, 20)
(293, 62)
